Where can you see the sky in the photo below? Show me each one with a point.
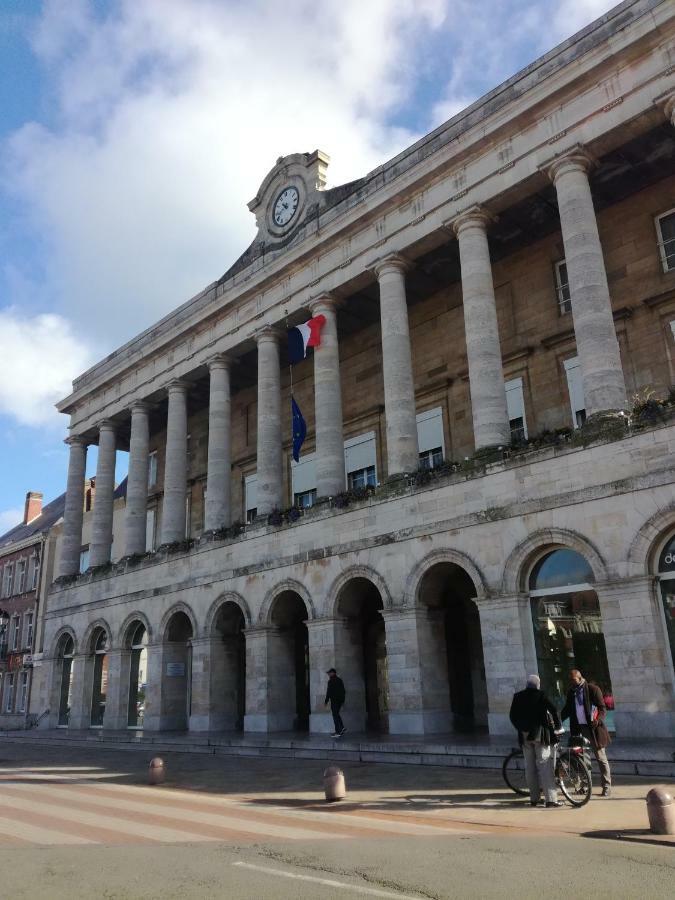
(134, 132)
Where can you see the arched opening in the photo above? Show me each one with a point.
(137, 644)
(666, 576)
(99, 689)
(177, 673)
(567, 624)
(65, 663)
(288, 663)
(451, 651)
(362, 656)
(228, 686)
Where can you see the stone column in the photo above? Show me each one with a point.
(399, 385)
(117, 698)
(203, 651)
(270, 462)
(71, 542)
(406, 703)
(80, 709)
(152, 719)
(322, 657)
(597, 344)
(508, 653)
(330, 453)
(102, 525)
(638, 657)
(217, 513)
(137, 480)
(484, 356)
(175, 466)
(257, 711)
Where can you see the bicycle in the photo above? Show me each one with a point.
(572, 772)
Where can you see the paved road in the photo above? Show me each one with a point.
(77, 823)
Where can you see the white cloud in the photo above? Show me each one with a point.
(40, 357)
(10, 518)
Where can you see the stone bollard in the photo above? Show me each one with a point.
(661, 811)
(334, 784)
(156, 772)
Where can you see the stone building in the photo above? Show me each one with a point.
(479, 495)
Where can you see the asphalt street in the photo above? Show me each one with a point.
(83, 822)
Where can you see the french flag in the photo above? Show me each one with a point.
(303, 336)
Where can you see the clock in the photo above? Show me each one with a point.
(285, 206)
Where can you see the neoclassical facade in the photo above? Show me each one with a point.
(480, 494)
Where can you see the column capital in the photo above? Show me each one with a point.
(475, 216)
(267, 334)
(575, 159)
(106, 425)
(324, 301)
(177, 386)
(220, 361)
(140, 406)
(394, 262)
(76, 440)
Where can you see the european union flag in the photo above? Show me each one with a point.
(299, 429)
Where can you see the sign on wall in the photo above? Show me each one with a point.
(175, 670)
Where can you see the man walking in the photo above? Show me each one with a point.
(536, 720)
(335, 694)
(585, 708)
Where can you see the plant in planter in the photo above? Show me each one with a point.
(647, 408)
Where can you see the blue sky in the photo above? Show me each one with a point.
(133, 132)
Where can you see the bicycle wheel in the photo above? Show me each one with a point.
(574, 778)
(513, 772)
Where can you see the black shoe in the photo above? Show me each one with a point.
(606, 792)
(534, 803)
(554, 804)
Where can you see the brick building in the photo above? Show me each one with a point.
(481, 494)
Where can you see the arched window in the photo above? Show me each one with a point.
(100, 684)
(66, 687)
(137, 675)
(666, 576)
(567, 624)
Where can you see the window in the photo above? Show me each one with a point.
(20, 578)
(23, 692)
(575, 389)
(515, 404)
(563, 288)
(16, 632)
(430, 438)
(665, 234)
(28, 632)
(251, 497)
(303, 478)
(34, 572)
(150, 532)
(360, 461)
(84, 558)
(9, 692)
(7, 583)
(152, 469)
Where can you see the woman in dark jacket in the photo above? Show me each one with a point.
(536, 720)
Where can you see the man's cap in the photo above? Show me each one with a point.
(331, 672)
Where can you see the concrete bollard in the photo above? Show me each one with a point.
(156, 772)
(334, 784)
(661, 811)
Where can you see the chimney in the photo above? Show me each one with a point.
(33, 506)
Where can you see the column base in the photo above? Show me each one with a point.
(644, 725)
(213, 722)
(268, 722)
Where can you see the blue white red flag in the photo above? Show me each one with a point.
(301, 337)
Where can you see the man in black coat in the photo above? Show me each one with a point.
(335, 694)
(536, 720)
(585, 708)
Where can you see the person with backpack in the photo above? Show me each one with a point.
(585, 708)
(537, 722)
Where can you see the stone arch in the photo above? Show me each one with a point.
(227, 597)
(89, 633)
(58, 638)
(516, 564)
(122, 634)
(265, 616)
(416, 576)
(166, 618)
(352, 572)
(645, 546)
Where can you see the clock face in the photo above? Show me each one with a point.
(286, 206)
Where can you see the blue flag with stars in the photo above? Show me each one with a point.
(299, 429)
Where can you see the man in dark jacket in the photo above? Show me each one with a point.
(335, 694)
(536, 720)
(585, 708)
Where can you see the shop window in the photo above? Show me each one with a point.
(515, 405)
(567, 624)
(665, 233)
(430, 438)
(361, 460)
(251, 497)
(562, 287)
(666, 575)
(575, 389)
